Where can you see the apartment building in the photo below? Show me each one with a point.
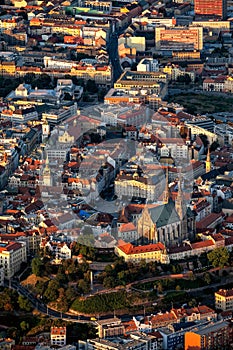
(12, 255)
(58, 336)
(211, 336)
(179, 38)
(111, 327)
(216, 8)
(224, 299)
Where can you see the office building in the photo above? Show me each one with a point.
(216, 8)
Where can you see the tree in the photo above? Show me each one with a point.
(207, 278)
(51, 293)
(219, 257)
(109, 282)
(214, 146)
(83, 286)
(24, 303)
(24, 326)
(160, 288)
(91, 86)
(37, 266)
(29, 78)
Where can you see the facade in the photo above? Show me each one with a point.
(150, 252)
(216, 8)
(179, 38)
(12, 255)
(168, 223)
(148, 65)
(58, 336)
(129, 186)
(111, 327)
(208, 337)
(224, 299)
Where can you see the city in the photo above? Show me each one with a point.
(116, 175)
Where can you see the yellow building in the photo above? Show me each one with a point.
(150, 252)
(186, 55)
(7, 68)
(224, 299)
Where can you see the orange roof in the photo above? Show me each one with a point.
(130, 249)
(202, 244)
(58, 330)
(127, 227)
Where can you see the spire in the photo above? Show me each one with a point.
(179, 205)
(166, 193)
(208, 162)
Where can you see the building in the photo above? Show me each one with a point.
(149, 252)
(179, 38)
(169, 223)
(128, 186)
(136, 341)
(224, 299)
(216, 8)
(2, 275)
(58, 336)
(12, 255)
(111, 327)
(148, 65)
(211, 336)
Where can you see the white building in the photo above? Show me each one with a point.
(12, 255)
(58, 336)
(148, 65)
(2, 275)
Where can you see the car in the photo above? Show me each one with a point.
(93, 319)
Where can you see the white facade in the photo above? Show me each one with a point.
(148, 65)
(12, 255)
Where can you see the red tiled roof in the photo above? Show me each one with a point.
(208, 220)
(202, 244)
(130, 249)
(127, 227)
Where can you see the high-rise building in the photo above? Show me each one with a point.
(216, 8)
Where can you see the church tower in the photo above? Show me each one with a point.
(181, 211)
(47, 180)
(208, 162)
(45, 130)
(166, 194)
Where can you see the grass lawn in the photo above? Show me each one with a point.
(201, 103)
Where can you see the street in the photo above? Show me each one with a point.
(113, 55)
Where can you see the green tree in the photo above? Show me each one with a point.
(83, 287)
(219, 257)
(109, 282)
(207, 278)
(24, 303)
(37, 266)
(52, 293)
(160, 288)
(24, 326)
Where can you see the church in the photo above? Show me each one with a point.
(169, 223)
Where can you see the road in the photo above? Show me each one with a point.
(43, 308)
(112, 48)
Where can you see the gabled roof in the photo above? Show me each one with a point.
(164, 214)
